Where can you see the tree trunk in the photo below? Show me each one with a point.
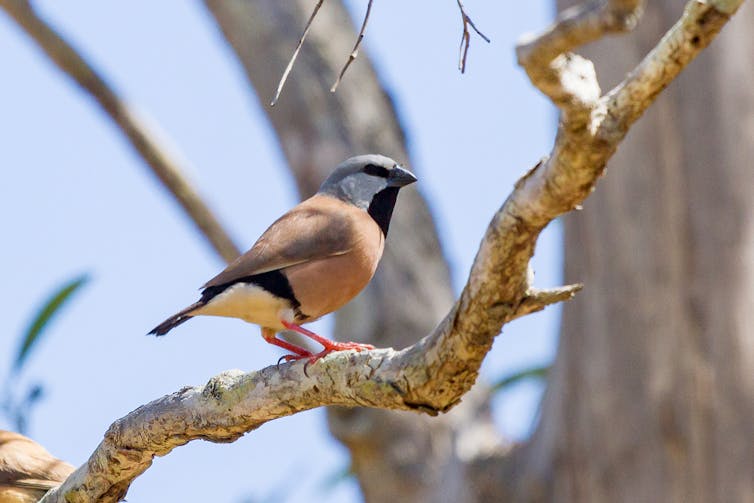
(652, 394)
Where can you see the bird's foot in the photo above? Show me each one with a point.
(330, 346)
(298, 352)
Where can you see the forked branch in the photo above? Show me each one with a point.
(463, 48)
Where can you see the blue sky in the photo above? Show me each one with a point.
(75, 198)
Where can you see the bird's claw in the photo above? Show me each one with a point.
(292, 358)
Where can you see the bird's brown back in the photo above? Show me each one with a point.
(320, 227)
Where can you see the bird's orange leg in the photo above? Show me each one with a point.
(329, 345)
(269, 336)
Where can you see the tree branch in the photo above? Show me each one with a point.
(355, 51)
(535, 299)
(463, 48)
(164, 163)
(591, 127)
(292, 61)
(569, 80)
(234, 403)
(700, 22)
(432, 375)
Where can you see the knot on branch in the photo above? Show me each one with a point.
(219, 386)
(578, 78)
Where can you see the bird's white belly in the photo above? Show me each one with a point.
(250, 303)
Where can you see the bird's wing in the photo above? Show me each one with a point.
(42, 485)
(26, 464)
(319, 227)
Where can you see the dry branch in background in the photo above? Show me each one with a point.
(463, 48)
(300, 43)
(355, 51)
(161, 159)
(432, 375)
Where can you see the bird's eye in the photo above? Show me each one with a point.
(374, 170)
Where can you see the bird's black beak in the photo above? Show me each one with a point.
(400, 176)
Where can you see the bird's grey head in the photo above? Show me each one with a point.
(370, 182)
(359, 179)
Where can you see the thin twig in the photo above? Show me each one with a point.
(463, 49)
(295, 53)
(162, 160)
(355, 51)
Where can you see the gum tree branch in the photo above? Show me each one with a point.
(591, 126)
(432, 375)
(567, 79)
(234, 403)
(624, 104)
(164, 163)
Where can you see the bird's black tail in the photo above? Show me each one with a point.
(175, 320)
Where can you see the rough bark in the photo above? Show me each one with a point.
(652, 393)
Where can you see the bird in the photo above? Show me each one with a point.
(311, 261)
(27, 470)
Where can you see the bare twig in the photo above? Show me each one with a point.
(355, 51)
(536, 299)
(163, 163)
(463, 49)
(295, 53)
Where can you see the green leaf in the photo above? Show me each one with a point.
(539, 372)
(43, 317)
